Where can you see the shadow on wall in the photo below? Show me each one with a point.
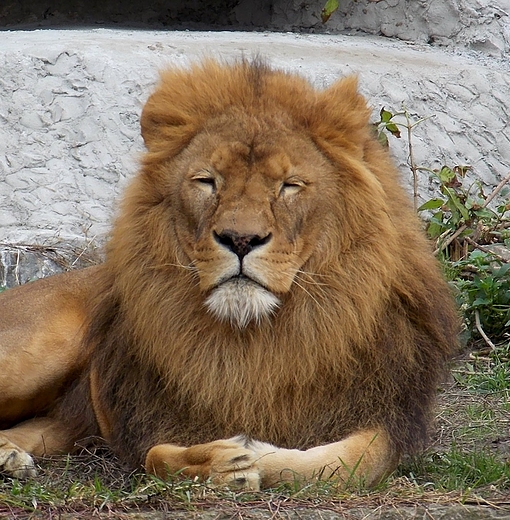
(464, 23)
(174, 14)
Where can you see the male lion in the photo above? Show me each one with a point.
(268, 309)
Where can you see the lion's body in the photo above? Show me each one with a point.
(267, 278)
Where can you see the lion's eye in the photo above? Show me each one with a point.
(206, 182)
(292, 186)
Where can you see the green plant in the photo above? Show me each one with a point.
(329, 8)
(464, 222)
(389, 124)
(464, 226)
(483, 293)
(463, 218)
(458, 469)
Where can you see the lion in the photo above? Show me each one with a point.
(268, 310)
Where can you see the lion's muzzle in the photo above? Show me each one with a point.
(239, 244)
(240, 300)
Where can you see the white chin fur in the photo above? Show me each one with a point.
(241, 301)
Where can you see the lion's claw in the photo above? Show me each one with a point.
(235, 468)
(17, 463)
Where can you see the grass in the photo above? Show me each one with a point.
(460, 469)
(487, 373)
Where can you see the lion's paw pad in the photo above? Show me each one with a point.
(16, 463)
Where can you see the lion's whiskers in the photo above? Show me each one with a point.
(296, 280)
(190, 267)
(309, 278)
(305, 290)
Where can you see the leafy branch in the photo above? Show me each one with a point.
(388, 124)
(465, 223)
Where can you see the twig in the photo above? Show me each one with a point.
(482, 332)
(447, 242)
(412, 164)
(83, 250)
(486, 250)
(496, 190)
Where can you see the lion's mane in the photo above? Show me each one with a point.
(364, 345)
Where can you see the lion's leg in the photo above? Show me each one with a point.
(41, 436)
(226, 462)
(364, 458)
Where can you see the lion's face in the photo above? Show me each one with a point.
(249, 213)
(253, 170)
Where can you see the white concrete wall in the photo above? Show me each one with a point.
(70, 103)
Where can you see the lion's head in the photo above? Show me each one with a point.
(252, 197)
(266, 274)
(251, 181)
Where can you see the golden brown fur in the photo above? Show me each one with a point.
(337, 333)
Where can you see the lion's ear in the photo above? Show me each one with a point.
(344, 111)
(165, 123)
(183, 101)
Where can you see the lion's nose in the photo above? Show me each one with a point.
(241, 245)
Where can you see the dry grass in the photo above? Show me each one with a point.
(63, 254)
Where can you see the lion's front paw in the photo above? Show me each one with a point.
(16, 462)
(226, 462)
(235, 467)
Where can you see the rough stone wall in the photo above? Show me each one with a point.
(477, 24)
(70, 103)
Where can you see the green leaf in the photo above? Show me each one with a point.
(383, 139)
(446, 174)
(393, 129)
(484, 213)
(434, 230)
(436, 225)
(477, 255)
(479, 302)
(502, 271)
(330, 7)
(456, 203)
(385, 115)
(431, 204)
